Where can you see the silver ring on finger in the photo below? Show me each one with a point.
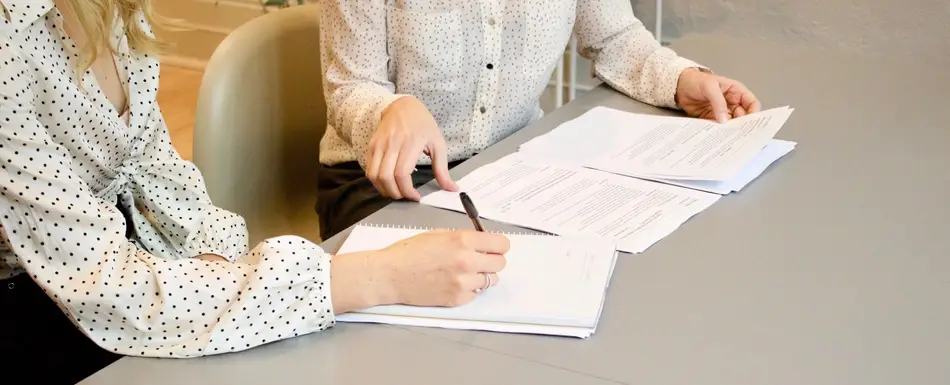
(488, 283)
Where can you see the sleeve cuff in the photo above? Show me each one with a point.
(309, 268)
(321, 298)
(222, 233)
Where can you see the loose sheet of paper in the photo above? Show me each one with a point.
(550, 285)
(773, 151)
(694, 149)
(570, 200)
(584, 141)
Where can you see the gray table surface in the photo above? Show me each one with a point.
(831, 268)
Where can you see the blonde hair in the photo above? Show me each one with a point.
(97, 18)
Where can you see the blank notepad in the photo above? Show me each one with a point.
(550, 285)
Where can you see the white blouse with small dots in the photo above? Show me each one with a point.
(479, 66)
(68, 160)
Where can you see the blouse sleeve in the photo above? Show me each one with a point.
(356, 76)
(125, 299)
(625, 55)
(171, 192)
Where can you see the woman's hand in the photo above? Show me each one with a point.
(438, 268)
(707, 96)
(406, 131)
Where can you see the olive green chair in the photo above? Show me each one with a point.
(259, 120)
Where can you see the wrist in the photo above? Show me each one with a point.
(398, 102)
(379, 278)
(359, 281)
(682, 81)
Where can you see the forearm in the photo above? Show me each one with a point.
(355, 109)
(642, 69)
(626, 55)
(187, 308)
(356, 76)
(359, 281)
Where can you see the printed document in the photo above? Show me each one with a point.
(694, 149)
(633, 144)
(572, 200)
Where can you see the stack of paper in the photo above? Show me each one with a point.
(571, 200)
(551, 285)
(631, 178)
(688, 152)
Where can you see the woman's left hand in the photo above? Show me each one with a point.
(708, 96)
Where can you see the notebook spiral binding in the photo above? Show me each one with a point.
(391, 226)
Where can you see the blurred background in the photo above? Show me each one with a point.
(918, 29)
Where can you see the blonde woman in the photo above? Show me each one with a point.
(110, 244)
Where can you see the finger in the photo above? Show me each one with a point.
(738, 111)
(387, 169)
(745, 98)
(406, 163)
(751, 103)
(475, 282)
(483, 242)
(476, 262)
(713, 93)
(373, 160)
(440, 163)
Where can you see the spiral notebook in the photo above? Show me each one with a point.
(552, 285)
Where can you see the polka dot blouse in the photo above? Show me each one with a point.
(69, 162)
(479, 66)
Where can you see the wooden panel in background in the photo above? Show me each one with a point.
(177, 98)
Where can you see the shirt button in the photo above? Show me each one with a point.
(491, 21)
(482, 109)
(490, 66)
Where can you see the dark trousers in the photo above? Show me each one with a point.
(39, 344)
(345, 196)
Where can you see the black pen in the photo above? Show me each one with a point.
(471, 211)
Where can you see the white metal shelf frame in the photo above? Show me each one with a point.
(572, 62)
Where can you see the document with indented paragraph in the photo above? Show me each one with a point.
(571, 200)
(722, 158)
(693, 149)
(774, 150)
(550, 285)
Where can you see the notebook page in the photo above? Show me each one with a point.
(548, 280)
(502, 327)
(569, 200)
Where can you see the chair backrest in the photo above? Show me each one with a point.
(260, 117)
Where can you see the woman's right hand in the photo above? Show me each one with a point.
(444, 268)
(406, 131)
(436, 268)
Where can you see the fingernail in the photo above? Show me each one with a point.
(722, 118)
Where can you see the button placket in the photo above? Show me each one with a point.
(487, 90)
